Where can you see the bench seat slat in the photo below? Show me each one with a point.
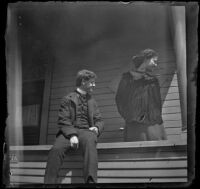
(109, 173)
(68, 180)
(110, 165)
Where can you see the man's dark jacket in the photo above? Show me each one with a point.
(67, 115)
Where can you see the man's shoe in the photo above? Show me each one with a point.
(90, 180)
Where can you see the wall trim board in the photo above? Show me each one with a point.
(45, 105)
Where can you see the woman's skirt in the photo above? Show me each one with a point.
(135, 131)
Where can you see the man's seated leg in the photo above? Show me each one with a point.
(88, 142)
(55, 159)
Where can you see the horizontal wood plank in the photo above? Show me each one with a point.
(171, 117)
(170, 103)
(101, 71)
(119, 166)
(174, 137)
(111, 102)
(119, 132)
(106, 93)
(51, 140)
(68, 180)
(118, 145)
(172, 124)
(118, 123)
(110, 173)
(64, 87)
(139, 173)
(111, 115)
(69, 83)
(41, 156)
(53, 127)
(26, 179)
(140, 180)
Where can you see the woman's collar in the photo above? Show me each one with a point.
(139, 74)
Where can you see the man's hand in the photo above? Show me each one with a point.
(74, 142)
(94, 129)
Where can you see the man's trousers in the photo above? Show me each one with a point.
(87, 145)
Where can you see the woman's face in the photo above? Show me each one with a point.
(151, 63)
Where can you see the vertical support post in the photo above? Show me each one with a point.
(45, 105)
(178, 13)
(14, 79)
(14, 125)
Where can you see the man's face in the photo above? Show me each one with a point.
(89, 85)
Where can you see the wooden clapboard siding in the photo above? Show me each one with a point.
(59, 87)
(172, 113)
(111, 115)
(117, 126)
(31, 115)
(114, 136)
(118, 136)
(129, 162)
(67, 81)
(111, 104)
(63, 82)
(114, 113)
(105, 93)
(107, 64)
(112, 62)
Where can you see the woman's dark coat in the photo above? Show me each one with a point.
(138, 99)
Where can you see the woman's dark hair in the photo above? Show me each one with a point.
(84, 75)
(145, 54)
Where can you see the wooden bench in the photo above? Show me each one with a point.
(128, 162)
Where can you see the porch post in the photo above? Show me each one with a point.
(45, 105)
(179, 32)
(14, 79)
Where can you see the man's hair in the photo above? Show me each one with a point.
(145, 54)
(84, 75)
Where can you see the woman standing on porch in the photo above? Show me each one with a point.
(138, 100)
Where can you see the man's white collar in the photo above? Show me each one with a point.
(81, 91)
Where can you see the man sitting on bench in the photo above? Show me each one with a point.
(80, 124)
